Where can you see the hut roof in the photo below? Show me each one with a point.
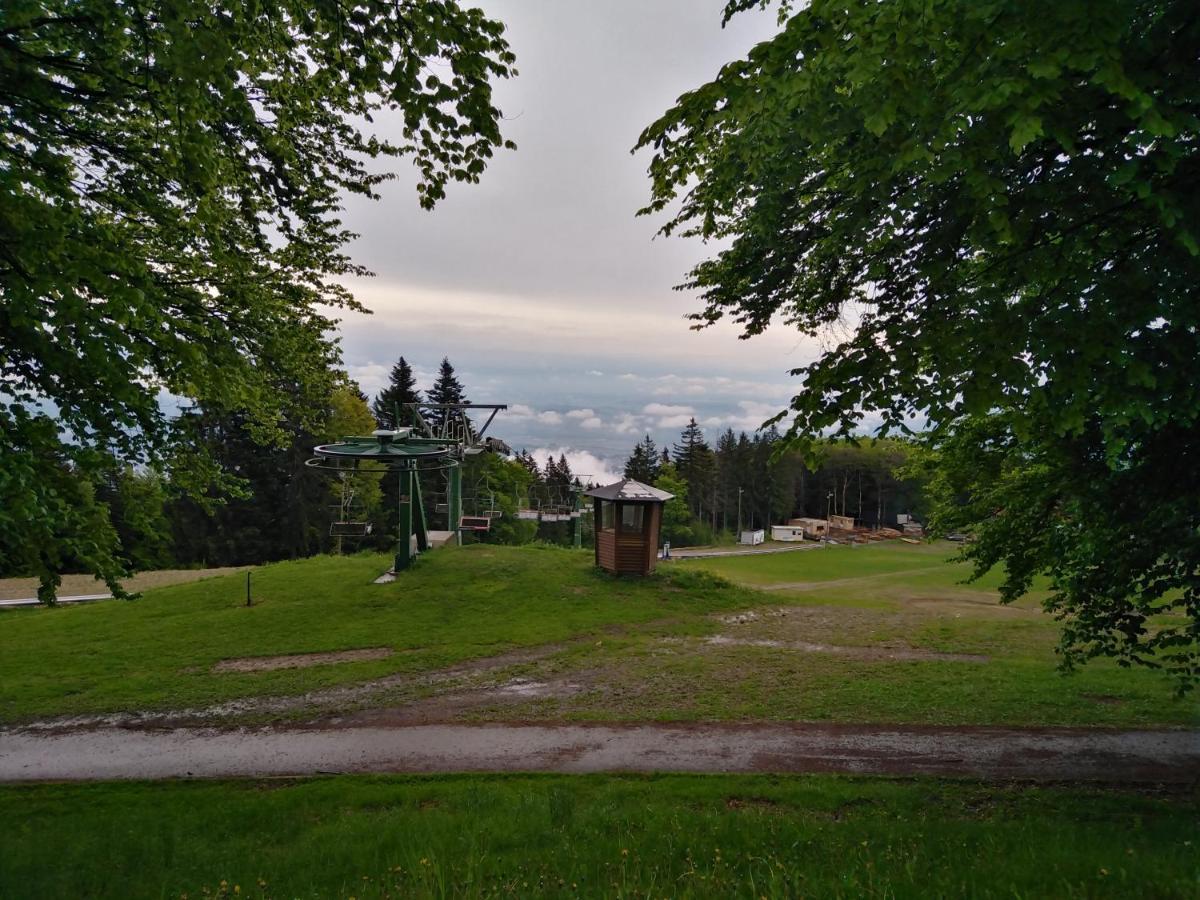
(628, 490)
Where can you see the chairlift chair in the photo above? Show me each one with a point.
(350, 513)
(349, 529)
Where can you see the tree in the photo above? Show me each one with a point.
(1002, 196)
(526, 460)
(268, 504)
(508, 481)
(677, 522)
(357, 494)
(137, 503)
(558, 474)
(170, 182)
(643, 463)
(446, 389)
(696, 466)
(390, 406)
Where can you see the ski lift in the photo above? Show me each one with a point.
(474, 523)
(351, 513)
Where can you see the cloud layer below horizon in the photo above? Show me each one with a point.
(540, 284)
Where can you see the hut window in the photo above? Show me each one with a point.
(631, 519)
(607, 516)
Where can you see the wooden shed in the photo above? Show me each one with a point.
(628, 517)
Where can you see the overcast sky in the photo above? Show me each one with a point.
(541, 284)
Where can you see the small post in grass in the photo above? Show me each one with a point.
(248, 603)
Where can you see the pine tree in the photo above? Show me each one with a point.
(697, 466)
(643, 464)
(530, 464)
(550, 472)
(401, 389)
(558, 474)
(728, 478)
(447, 389)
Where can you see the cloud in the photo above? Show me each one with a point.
(627, 423)
(584, 463)
(596, 372)
(752, 415)
(591, 422)
(581, 414)
(663, 409)
(674, 421)
(372, 377)
(522, 412)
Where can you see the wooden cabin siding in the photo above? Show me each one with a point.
(606, 552)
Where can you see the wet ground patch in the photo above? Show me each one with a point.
(300, 660)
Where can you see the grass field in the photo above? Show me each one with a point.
(677, 836)
(885, 633)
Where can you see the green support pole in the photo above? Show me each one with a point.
(405, 524)
(454, 501)
(419, 526)
(578, 523)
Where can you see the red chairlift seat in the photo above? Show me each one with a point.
(474, 523)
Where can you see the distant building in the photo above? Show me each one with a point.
(787, 532)
(751, 538)
(812, 528)
(845, 523)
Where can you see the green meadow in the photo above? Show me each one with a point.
(612, 836)
(869, 634)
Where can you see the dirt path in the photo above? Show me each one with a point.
(993, 753)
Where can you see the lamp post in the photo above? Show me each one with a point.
(739, 528)
(828, 503)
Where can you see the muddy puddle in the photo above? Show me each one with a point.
(326, 701)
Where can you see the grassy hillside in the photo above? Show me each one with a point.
(878, 634)
(457, 604)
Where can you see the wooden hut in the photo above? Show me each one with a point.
(628, 516)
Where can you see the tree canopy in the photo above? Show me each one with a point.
(170, 182)
(988, 211)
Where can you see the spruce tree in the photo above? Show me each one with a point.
(530, 464)
(696, 465)
(728, 478)
(447, 389)
(401, 389)
(558, 474)
(643, 464)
